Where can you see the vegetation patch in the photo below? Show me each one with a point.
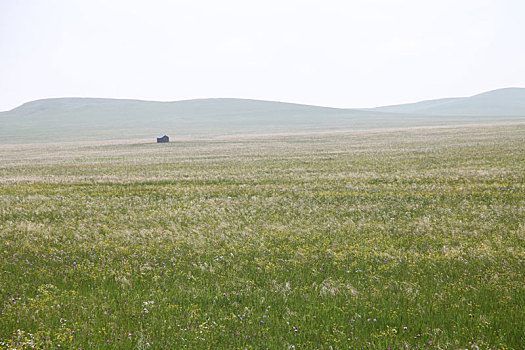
(412, 239)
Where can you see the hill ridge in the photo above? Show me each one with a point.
(92, 118)
(504, 101)
(437, 101)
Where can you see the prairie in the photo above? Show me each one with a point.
(409, 238)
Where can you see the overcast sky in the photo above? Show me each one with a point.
(348, 53)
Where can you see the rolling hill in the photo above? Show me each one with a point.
(72, 119)
(502, 102)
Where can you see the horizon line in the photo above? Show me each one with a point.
(251, 99)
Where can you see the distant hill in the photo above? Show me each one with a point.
(502, 102)
(71, 119)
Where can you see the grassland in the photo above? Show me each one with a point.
(93, 119)
(402, 239)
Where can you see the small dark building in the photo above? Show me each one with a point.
(163, 139)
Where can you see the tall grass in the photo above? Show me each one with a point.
(409, 239)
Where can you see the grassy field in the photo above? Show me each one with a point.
(402, 239)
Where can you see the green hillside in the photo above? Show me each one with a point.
(72, 119)
(502, 102)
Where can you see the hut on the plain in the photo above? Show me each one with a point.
(163, 139)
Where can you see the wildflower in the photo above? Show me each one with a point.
(394, 330)
(405, 328)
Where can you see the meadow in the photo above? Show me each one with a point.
(364, 240)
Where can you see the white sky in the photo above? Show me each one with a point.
(348, 53)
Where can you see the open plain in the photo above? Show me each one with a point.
(410, 238)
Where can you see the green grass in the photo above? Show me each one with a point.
(411, 238)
